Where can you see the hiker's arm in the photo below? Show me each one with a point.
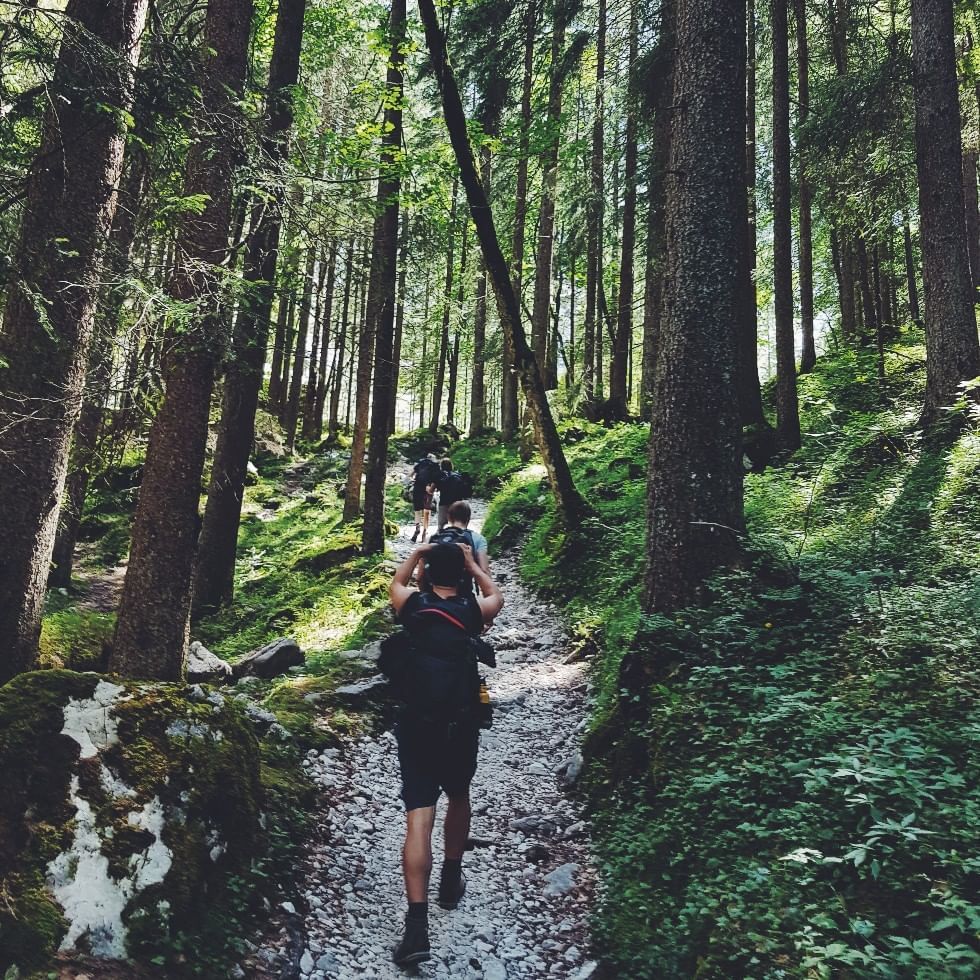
(399, 590)
(492, 599)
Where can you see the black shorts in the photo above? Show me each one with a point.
(421, 498)
(435, 759)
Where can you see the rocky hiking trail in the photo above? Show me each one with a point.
(529, 878)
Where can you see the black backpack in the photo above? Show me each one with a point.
(427, 471)
(432, 663)
(455, 535)
(455, 486)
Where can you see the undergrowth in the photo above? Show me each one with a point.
(783, 781)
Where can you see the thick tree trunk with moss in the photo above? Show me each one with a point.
(384, 268)
(952, 352)
(570, 505)
(50, 301)
(151, 633)
(787, 404)
(695, 480)
(214, 579)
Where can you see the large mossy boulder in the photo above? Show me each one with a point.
(128, 814)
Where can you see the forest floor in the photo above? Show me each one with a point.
(528, 891)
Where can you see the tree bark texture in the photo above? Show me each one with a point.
(152, 628)
(508, 385)
(592, 366)
(384, 267)
(291, 411)
(808, 353)
(623, 337)
(478, 391)
(313, 418)
(661, 80)
(215, 572)
(695, 477)
(952, 352)
(88, 429)
(569, 503)
(51, 296)
(447, 302)
(787, 404)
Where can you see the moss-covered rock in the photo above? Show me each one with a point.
(129, 814)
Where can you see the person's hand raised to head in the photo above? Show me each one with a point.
(468, 556)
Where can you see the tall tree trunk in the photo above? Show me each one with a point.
(508, 388)
(51, 296)
(89, 427)
(661, 82)
(362, 402)
(454, 352)
(569, 503)
(291, 415)
(845, 285)
(695, 478)
(384, 268)
(333, 425)
(287, 290)
(787, 405)
(752, 414)
(313, 424)
(308, 398)
(623, 339)
(952, 352)
(447, 302)
(591, 369)
(214, 576)
(478, 394)
(808, 354)
(396, 360)
(972, 207)
(152, 629)
(910, 278)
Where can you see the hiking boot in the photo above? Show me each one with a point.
(424, 536)
(450, 892)
(415, 536)
(414, 947)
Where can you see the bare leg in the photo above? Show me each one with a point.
(425, 524)
(417, 853)
(457, 826)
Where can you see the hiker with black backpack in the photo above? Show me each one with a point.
(426, 477)
(453, 486)
(433, 667)
(458, 531)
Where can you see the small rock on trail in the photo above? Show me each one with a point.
(519, 919)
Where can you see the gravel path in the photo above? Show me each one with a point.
(529, 881)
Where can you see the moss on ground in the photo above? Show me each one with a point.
(196, 763)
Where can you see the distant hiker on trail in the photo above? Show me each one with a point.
(457, 531)
(439, 729)
(453, 486)
(426, 475)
